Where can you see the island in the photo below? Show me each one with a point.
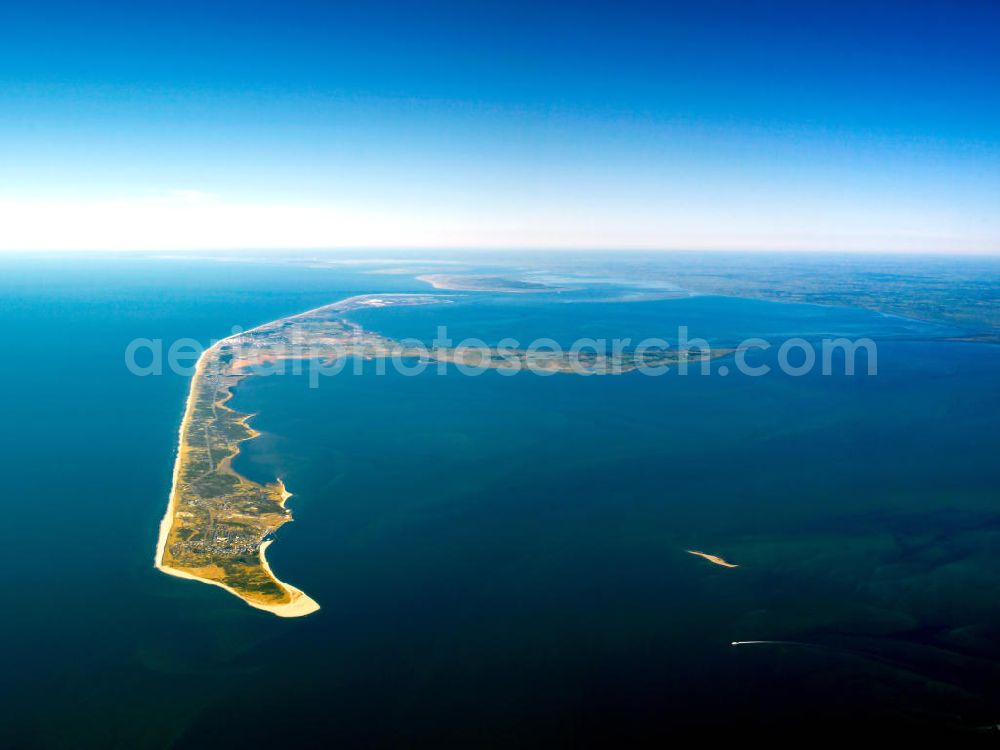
(714, 559)
(486, 283)
(219, 524)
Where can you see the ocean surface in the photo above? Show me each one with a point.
(501, 561)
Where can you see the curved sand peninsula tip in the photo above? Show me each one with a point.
(712, 558)
(485, 283)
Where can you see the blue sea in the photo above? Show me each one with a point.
(501, 561)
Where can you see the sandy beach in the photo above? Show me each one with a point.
(712, 558)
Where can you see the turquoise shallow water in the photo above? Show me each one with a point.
(500, 560)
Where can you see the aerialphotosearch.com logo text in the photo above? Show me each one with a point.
(361, 352)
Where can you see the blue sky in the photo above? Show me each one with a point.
(756, 125)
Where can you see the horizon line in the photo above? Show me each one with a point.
(990, 253)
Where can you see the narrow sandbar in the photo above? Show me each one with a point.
(715, 559)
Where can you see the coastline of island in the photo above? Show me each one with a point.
(299, 603)
(457, 282)
(219, 524)
(714, 559)
(226, 545)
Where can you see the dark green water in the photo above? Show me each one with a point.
(500, 560)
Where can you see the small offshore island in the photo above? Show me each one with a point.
(219, 524)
